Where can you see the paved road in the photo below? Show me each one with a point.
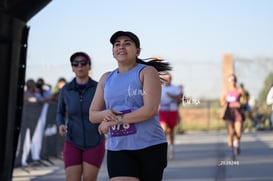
(198, 157)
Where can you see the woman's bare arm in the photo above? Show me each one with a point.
(151, 96)
(97, 110)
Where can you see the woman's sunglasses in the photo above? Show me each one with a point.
(77, 63)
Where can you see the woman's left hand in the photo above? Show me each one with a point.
(105, 125)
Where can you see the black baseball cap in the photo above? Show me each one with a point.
(76, 54)
(125, 33)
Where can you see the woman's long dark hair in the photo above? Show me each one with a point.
(159, 64)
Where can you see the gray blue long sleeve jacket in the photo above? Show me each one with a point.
(73, 111)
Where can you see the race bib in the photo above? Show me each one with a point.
(123, 129)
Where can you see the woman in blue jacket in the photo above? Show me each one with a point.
(84, 147)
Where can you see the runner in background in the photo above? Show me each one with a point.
(233, 115)
(168, 110)
(244, 101)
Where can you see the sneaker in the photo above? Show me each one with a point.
(171, 152)
(237, 150)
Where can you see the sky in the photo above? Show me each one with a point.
(193, 35)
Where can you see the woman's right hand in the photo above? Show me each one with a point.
(62, 130)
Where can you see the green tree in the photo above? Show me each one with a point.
(268, 83)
